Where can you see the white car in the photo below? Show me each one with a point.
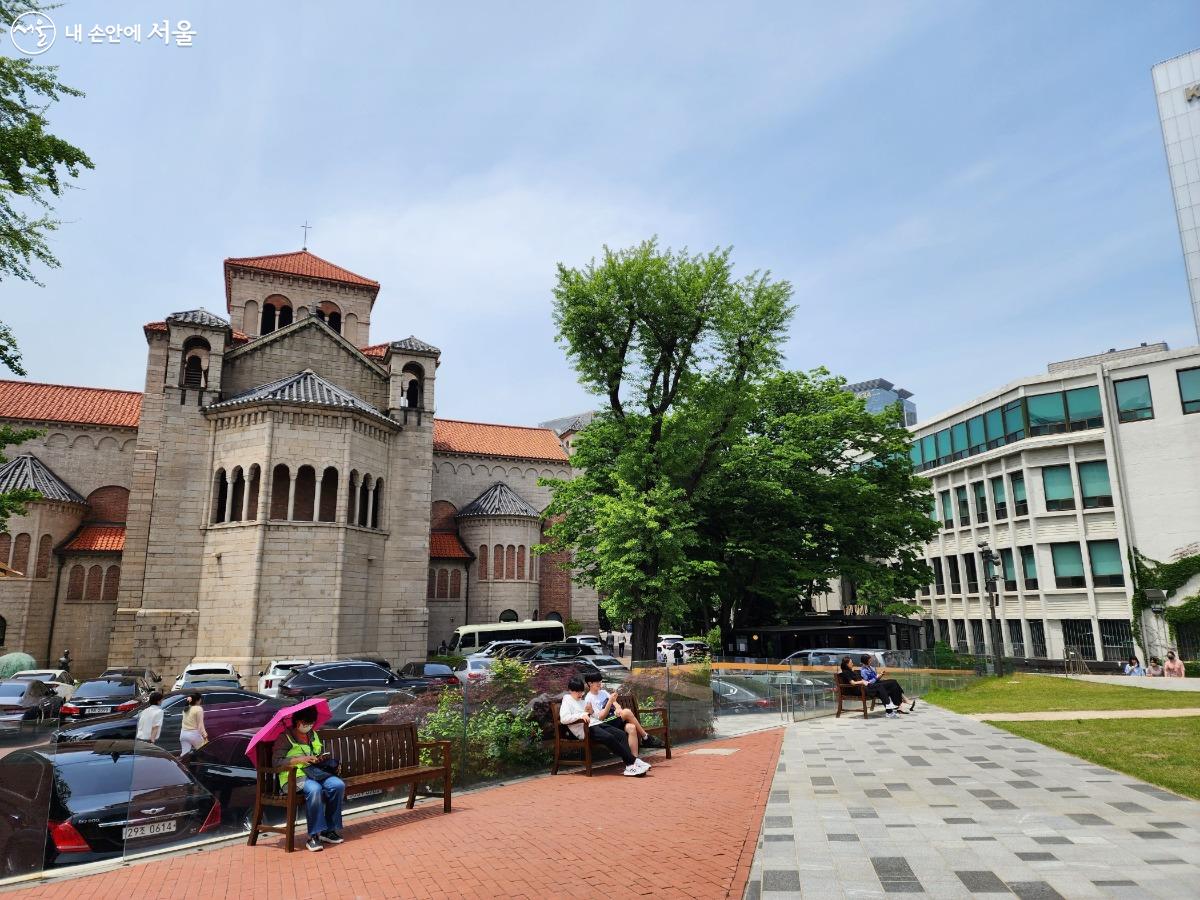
(492, 650)
(612, 667)
(587, 639)
(59, 679)
(666, 641)
(279, 669)
(209, 669)
(475, 670)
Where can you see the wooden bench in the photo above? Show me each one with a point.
(564, 740)
(854, 693)
(370, 756)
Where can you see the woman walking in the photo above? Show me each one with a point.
(192, 734)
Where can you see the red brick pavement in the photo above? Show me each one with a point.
(688, 829)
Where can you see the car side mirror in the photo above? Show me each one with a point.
(261, 673)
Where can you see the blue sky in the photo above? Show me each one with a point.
(959, 192)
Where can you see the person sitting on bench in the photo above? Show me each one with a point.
(882, 687)
(603, 707)
(847, 675)
(573, 713)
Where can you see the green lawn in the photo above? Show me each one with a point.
(1160, 751)
(1033, 693)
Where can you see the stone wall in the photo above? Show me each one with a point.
(247, 290)
(459, 479)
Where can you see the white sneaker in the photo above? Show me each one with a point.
(632, 770)
(642, 766)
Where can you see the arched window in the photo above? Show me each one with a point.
(521, 562)
(455, 584)
(250, 319)
(352, 498)
(306, 490)
(377, 504)
(414, 389)
(364, 499)
(95, 584)
(276, 312)
(43, 557)
(108, 504)
(498, 562)
(20, 559)
(331, 314)
(350, 328)
(509, 615)
(327, 507)
(75, 583)
(5, 547)
(237, 495)
(431, 586)
(112, 583)
(510, 562)
(252, 500)
(280, 486)
(482, 560)
(220, 496)
(443, 584)
(193, 372)
(554, 617)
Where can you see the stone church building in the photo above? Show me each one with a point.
(281, 488)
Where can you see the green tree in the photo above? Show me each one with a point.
(33, 161)
(676, 347)
(12, 503)
(814, 489)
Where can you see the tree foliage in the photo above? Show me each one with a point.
(12, 503)
(33, 161)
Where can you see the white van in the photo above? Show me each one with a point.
(212, 669)
(470, 638)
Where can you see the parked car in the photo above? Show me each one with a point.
(192, 682)
(207, 668)
(95, 800)
(269, 678)
(59, 679)
(102, 696)
(568, 667)
(612, 667)
(733, 698)
(359, 706)
(590, 639)
(225, 709)
(474, 670)
(498, 648)
(880, 658)
(26, 703)
(133, 672)
(513, 650)
(546, 652)
(435, 672)
(310, 680)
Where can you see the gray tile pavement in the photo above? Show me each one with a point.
(940, 806)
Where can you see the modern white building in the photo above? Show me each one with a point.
(1064, 474)
(1177, 87)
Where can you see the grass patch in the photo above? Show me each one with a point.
(1042, 693)
(1160, 751)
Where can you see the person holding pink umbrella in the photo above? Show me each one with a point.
(299, 747)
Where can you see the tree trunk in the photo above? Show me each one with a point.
(645, 637)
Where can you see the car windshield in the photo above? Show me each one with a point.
(35, 676)
(286, 667)
(91, 689)
(219, 670)
(437, 669)
(10, 690)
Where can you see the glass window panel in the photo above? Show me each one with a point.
(993, 424)
(1045, 412)
(1014, 421)
(1133, 399)
(980, 496)
(914, 454)
(928, 450)
(1105, 556)
(943, 444)
(947, 509)
(1068, 560)
(1093, 479)
(1057, 481)
(1189, 389)
(1018, 487)
(1028, 563)
(975, 434)
(1006, 562)
(958, 437)
(997, 491)
(1083, 408)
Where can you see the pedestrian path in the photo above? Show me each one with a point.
(687, 829)
(1141, 681)
(1061, 715)
(942, 806)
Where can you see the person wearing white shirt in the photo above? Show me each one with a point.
(604, 707)
(150, 719)
(573, 713)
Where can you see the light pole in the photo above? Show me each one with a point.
(990, 563)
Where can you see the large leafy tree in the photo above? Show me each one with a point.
(814, 489)
(676, 346)
(12, 503)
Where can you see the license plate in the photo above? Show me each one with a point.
(152, 828)
(96, 710)
(361, 794)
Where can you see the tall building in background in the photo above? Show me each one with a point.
(1177, 86)
(880, 394)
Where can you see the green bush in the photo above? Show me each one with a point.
(944, 656)
(449, 659)
(1191, 669)
(713, 639)
(493, 742)
(573, 627)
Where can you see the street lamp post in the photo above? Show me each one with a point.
(991, 561)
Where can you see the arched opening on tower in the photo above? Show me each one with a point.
(276, 313)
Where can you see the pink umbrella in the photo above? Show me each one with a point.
(282, 720)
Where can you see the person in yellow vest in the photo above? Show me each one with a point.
(299, 747)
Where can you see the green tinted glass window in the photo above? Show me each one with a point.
(1014, 421)
(1046, 413)
(975, 434)
(997, 491)
(993, 425)
(958, 438)
(1133, 399)
(1068, 560)
(1189, 390)
(1083, 408)
(928, 450)
(947, 509)
(1006, 562)
(1028, 563)
(943, 445)
(980, 496)
(1018, 487)
(1105, 556)
(914, 454)
(1057, 482)
(1093, 480)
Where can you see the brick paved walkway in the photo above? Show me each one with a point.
(688, 829)
(937, 804)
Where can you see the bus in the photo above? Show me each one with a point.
(473, 638)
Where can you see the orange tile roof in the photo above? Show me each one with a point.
(36, 402)
(302, 263)
(446, 545)
(375, 351)
(513, 441)
(239, 337)
(98, 539)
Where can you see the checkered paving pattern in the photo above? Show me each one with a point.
(937, 805)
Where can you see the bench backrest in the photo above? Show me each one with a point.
(560, 729)
(361, 750)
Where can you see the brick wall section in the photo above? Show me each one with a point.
(108, 504)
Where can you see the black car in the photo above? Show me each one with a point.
(102, 696)
(317, 678)
(362, 706)
(225, 709)
(436, 672)
(142, 672)
(26, 704)
(96, 800)
(567, 667)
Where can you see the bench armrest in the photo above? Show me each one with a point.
(443, 746)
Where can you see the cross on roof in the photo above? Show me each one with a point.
(306, 228)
